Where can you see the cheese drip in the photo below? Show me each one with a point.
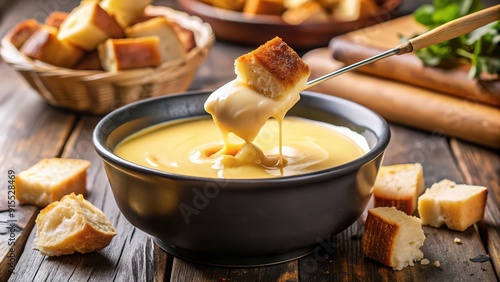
(239, 109)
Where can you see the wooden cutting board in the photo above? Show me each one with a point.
(361, 44)
(408, 104)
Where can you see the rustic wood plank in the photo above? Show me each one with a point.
(32, 130)
(341, 260)
(187, 271)
(131, 253)
(481, 166)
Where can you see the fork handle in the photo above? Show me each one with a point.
(452, 29)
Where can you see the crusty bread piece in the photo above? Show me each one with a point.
(20, 33)
(171, 47)
(88, 25)
(185, 35)
(399, 185)
(458, 206)
(50, 179)
(351, 10)
(44, 45)
(125, 11)
(90, 62)
(392, 237)
(130, 53)
(307, 12)
(72, 225)
(273, 69)
(263, 7)
(55, 18)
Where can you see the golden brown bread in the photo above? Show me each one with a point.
(50, 179)
(55, 18)
(185, 35)
(125, 12)
(88, 25)
(458, 206)
(392, 237)
(307, 12)
(130, 53)
(273, 69)
(90, 62)
(171, 47)
(399, 185)
(44, 45)
(22, 31)
(351, 10)
(72, 225)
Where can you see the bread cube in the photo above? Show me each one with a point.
(125, 12)
(51, 179)
(72, 225)
(264, 7)
(44, 45)
(130, 53)
(20, 33)
(88, 25)
(185, 35)
(399, 186)
(55, 19)
(171, 47)
(392, 237)
(308, 12)
(458, 206)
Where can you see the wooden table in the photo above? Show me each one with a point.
(34, 130)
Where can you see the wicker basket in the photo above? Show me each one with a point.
(99, 92)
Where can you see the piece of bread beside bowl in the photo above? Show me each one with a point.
(81, 60)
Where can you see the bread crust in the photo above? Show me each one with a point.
(130, 53)
(81, 237)
(281, 61)
(22, 31)
(378, 239)
(399, 185)
(392, 237)
(55, 19)
(44, 46)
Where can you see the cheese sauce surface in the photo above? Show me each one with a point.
(195, 147)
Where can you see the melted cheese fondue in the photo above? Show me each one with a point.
(194, 147)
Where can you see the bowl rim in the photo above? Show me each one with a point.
(109, 157)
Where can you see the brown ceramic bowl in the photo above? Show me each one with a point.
(233, 26)
(240, 222)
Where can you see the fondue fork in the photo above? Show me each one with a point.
(447, 31)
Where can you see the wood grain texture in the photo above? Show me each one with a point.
(341, 259)
(131, 254)
(409, 105)
(482, 167)
(187, 271)
(360, 44)
(32, 130)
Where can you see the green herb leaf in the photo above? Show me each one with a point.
(480, 48)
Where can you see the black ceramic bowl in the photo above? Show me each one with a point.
(238, 222)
